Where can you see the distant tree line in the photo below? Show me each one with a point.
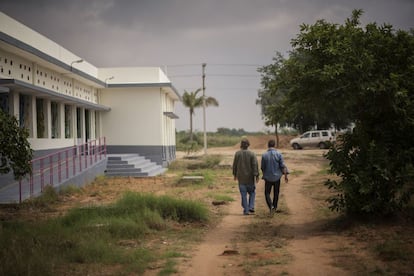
(231, 132)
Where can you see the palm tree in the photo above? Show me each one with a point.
(192, 101)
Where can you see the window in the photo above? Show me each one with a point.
(68, 121)
(315, 134)
(24, 111)
(87, 124)
(78, 122)
(97, 124)
(41, 118)
(325, 133)
(55, 120)
(4, 102)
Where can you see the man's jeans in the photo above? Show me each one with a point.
(247, 204)
(269, 185)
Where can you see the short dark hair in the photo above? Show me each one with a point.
(271, 143)
(244, 144)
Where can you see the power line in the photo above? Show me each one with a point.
(215, 64)
(183, 65)
(232, 75)
(185, 76)
(235, 64)
(214, 75)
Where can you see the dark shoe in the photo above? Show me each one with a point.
(272, 212)
(251, 210)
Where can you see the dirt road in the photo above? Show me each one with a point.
(225, 251)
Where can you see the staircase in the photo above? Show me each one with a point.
(131, 165)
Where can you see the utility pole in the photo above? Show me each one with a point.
(204, 107)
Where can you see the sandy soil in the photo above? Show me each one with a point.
(223, 249)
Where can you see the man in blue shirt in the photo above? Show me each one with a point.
(273, 167)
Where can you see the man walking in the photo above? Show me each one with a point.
(246, 171)
(273, 167)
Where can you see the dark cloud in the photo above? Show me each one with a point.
(183, 32)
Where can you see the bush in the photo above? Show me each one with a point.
(376, 178)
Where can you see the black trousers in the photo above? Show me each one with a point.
(269, 185)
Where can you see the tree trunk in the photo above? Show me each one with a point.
(277, 137)
(191, 127)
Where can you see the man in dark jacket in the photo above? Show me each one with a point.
(245, 170)
(273, 167)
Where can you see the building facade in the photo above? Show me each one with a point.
(64, 101)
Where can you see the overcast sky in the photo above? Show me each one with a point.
(233, 38)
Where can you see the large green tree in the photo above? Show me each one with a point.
(271, 96)
(192, 100)
(15, 151)
(337, 74)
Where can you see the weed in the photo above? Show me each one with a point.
(48, 196)
(392, 249)
(92, 235)
(70, 190)
(220, 197)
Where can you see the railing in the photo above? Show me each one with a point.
(56, 167)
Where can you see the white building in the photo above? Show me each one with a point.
(64, 101)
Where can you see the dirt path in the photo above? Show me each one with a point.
(307, 246)
(211, 257)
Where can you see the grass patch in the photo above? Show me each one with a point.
(220, 197)
(94, 234)
(325, 171)
(393, 249)
(48, 197)
(296, 172)
(70, 190)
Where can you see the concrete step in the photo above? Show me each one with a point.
(132, 165)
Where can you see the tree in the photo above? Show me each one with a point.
(15, 151)
(272, 96)
(337, 74)
(192, 101)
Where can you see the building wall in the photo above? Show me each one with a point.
(135, 116)
(168, 129)
(23, 33)
(15, 67)
(137, 123)
(129, 75)
(23, 105)
(69, 89)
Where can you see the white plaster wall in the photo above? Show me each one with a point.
(168, 123)
(23, 33)
(135, 116)
(133, 75)
(47, 144)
